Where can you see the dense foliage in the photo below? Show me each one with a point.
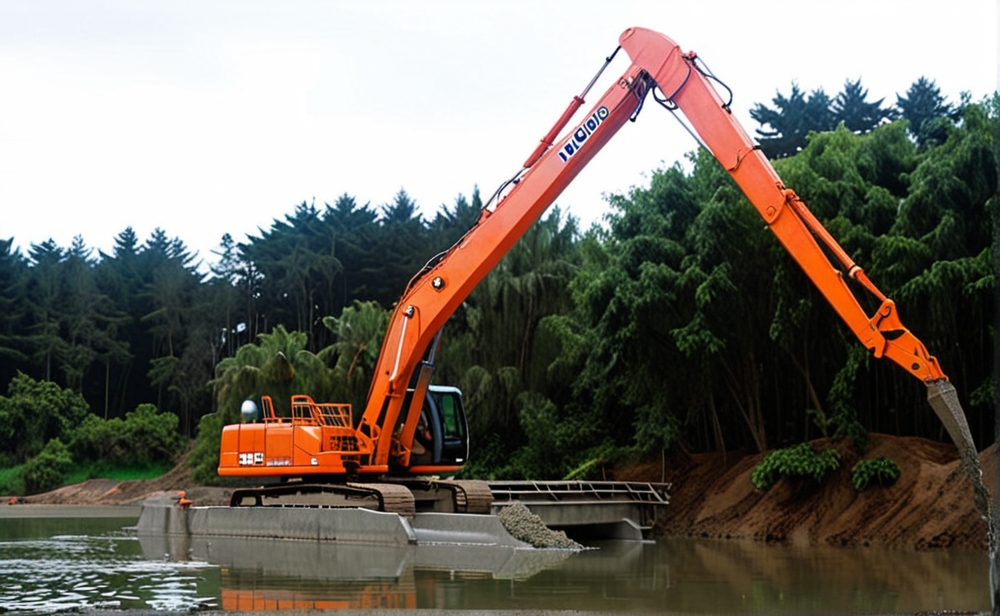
(680, 323)
(48, 432)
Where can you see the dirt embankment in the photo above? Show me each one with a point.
(111, 492)
(930, 506)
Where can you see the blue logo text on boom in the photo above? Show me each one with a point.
(582, 133)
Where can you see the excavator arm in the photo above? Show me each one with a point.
(437, 291)
(406, 361)
(788, 217)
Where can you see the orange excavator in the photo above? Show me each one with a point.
(411, 428)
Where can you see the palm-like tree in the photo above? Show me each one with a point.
(278, 365)
(359, 331)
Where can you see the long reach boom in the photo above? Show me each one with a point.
(657, 62)
(321, 440)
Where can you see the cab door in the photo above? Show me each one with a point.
(448, 424)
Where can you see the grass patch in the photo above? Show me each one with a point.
(12, 481)
(98, 470)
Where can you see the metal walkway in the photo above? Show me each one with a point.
(588, 509)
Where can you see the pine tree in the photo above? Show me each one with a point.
(928, 115)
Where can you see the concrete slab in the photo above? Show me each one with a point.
(462, 528)
(163, 515)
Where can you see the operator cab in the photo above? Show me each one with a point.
(442, 431)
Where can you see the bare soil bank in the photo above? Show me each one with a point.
(929, 507)
(111, 492)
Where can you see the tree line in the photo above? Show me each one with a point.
(678, 324)
(144, 324)
(786, 126)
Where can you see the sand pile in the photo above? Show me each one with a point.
(529, 528)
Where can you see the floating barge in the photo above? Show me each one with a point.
(591, 510)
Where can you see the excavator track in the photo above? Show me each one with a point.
(450, 495)
(392, 498)
(387, 497)
(395, 495)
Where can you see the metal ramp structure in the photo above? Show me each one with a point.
(588, 509)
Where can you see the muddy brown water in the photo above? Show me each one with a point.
(55, 563)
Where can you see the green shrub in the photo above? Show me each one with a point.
(47, 470)
(12, 481)
(145, 438)
(881, 470)
(152, 435)
(798, 462)
(204, 458)
(32, 414)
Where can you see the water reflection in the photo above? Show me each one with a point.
(66, 564)
(687, 576)
(48, 565)
(276, 574)
(736, 576)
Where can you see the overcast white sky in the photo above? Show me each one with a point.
(211, 117)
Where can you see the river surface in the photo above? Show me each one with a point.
(96, 560)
